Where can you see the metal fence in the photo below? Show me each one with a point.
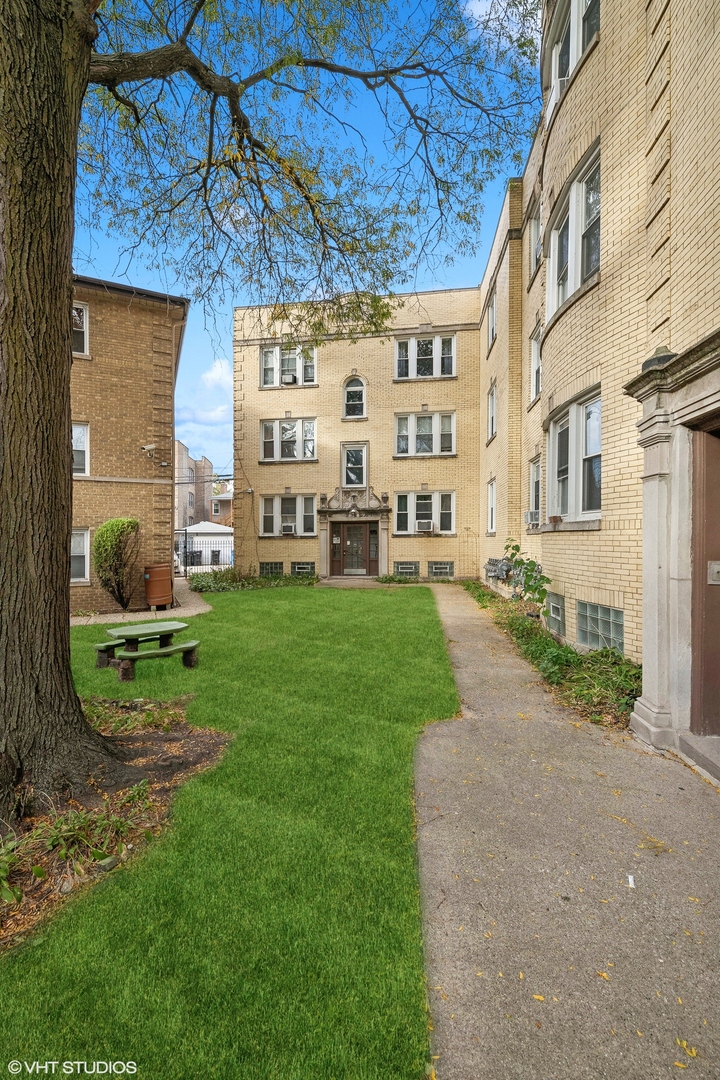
(200, 554)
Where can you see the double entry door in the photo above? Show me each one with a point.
(354, 548)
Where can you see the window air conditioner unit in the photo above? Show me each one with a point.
(532, 517)
(424, 526)
(288, 380)
(288, 530)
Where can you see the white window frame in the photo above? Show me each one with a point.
(574, 414)
(191, 499)
(535, 365)
(300, 440)
(76, 534)
(492, 411)
(438, 500)
(412, 342)
(348, 388)
(437, 434)
(492, 508)
(301, 513)
(492, 318)
(343, 465)
(571, 211)
(535, 235)
(86, 328)
(569, 15)
(215, 507)
(86, 429)
(275, 354)
(535, 478)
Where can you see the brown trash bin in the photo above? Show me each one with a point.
(159, 585)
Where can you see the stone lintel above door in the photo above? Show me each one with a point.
(354, 503)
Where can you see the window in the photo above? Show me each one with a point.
(535, 365)
(191, 521)
(271, 569)
(287, 515)
(425, 358)
(491, 412)
(302, 569)
(575, 242)
(591, 223)
(79, 549)
(354, 466)
(575, 28)
(80, 439)
(288, 440)
(191, 475)
(425, 433)
(590, 22)
(406, 569)
(287, 365)
(491, 508)
(492, 318)
(215, 508)
(80, 329)
(575, 461)
(441, 569)
(592, 446)
(535, 232)
(555, 618)
(354, 399)
(533, 517)
(600, 627)
(191, 499)
(425, 512)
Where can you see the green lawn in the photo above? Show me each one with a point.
(273, 933)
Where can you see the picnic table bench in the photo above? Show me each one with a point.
(124, 649)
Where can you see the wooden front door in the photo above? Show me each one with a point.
(354, 548)
(705, 698)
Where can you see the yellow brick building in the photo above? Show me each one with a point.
(126, 349)
(361, 459)
(586, 392)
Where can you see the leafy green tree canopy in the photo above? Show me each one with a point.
(303, 151)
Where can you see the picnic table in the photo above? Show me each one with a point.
(125, 649)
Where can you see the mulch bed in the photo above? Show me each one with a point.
(58, 851)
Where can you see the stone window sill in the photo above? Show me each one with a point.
(353, 419)
(584, 525)
(290, 461)
(421, 457)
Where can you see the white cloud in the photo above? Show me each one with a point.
(219, 375)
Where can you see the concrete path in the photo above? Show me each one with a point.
(543, 960)
(186, 603)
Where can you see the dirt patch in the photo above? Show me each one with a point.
(53, 853)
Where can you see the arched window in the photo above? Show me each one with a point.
(354, 398)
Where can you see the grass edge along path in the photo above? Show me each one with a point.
(602, 685)
(274, 931)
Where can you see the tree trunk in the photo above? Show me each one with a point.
(45, 742)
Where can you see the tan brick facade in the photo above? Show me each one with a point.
(437, 316)
(122, 396)
(605, 255)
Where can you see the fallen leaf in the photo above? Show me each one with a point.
(695, 899)
(603, 975)
(538, 1024)
(679, 1064)
(538, 997)
(487, 933)
(521, 975)
(639, 1033)
(679, 1001)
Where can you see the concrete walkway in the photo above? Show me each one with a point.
(187, 603)
(570, 884)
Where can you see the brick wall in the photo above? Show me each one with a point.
(123, 390)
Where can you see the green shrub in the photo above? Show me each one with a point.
(115, 553)
(398, 579)
(231, 580)
(602, 684)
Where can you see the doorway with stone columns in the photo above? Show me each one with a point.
(680, 433)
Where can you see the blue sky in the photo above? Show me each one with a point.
(203, 399)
